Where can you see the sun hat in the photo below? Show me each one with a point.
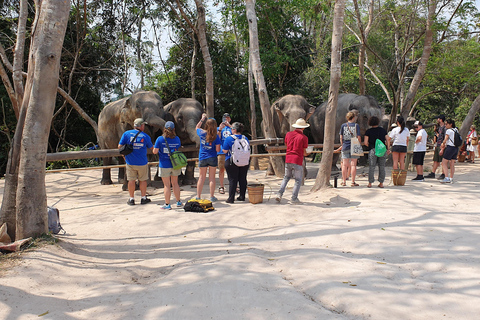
(169, 125)
(301, 123)
(138, 122)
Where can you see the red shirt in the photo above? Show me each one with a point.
(296, 142)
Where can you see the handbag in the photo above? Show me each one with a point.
(126, 149)
(380, 148)
(355, 146)
(178, 159)
(474, 141)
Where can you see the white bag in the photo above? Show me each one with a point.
(355, 146)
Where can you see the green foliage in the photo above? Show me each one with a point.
(78, 163)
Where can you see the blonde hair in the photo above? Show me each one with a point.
(211, 128)
(350, 115)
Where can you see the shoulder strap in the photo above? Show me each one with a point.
(168, 147)
(135, 138)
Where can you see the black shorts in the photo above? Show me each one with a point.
(418, 158)
(400, 149)
(450, 153)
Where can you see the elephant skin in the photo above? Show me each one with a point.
(118, 117)
(186, 113)
(367, 107)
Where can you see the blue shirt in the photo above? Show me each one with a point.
(226, 132)
(349, 130)
(138, 157)
(163, 157)
(227, 145)
(207, 150)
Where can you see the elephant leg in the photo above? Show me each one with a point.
(106, 175)
(270, 171)
(121, 171)
(334, 161)
(189, 178)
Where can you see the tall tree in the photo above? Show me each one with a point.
(325, 169)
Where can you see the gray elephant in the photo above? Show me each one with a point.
(186, 113)
(285, 111)
(118, 116)
(366, 106)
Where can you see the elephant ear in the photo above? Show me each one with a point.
(167, 108)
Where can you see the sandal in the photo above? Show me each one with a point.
(221, 190)
(355, 184)
(343, 184)
(369, 185)
(381, 185)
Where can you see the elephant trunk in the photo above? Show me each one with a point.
(154, 120)
(192, 132)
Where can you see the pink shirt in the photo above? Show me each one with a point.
(296, 142)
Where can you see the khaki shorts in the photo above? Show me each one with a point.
(167, 172)
(436, 155)
(221, 161)
(137, 172)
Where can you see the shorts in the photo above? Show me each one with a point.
(418, 158)
(399, 149)
(346, 155)
(209, 162)
(450, 153)
(436, 155)
(168, 172)
(221, 161)
(137, 172)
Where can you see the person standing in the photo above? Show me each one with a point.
(296, 143)
(137, 162)
(472, 135)
(419, 150)
(370, 139)
(437, 157)
(236, 174)
(349, 130)
(207, 156)
(165, 145)
(449, 151)
(225, 130)
(400, 136)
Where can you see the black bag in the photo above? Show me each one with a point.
(202, 205)
(457, 138)
(126, 149)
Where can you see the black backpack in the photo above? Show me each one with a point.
(457, 138)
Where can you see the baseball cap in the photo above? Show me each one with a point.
(169, 125)
(418, 123)
(138, 122)
(441, 117)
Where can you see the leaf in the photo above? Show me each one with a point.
(43, 314)
(381, 262)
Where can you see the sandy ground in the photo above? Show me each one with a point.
(406, 252)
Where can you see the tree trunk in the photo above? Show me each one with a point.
(269, 132)
(422, 67)
(253, 113)
(42, 82)
(192, 65)
(325, 169)
(207, 60)
(467, 122)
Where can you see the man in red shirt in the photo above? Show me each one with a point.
(296, 143)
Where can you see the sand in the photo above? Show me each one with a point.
(403, 252)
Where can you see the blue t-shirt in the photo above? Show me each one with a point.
(207, 150)
(138, 157)
(163, 157)
(227, 145)
(226, 132)
(349, 130)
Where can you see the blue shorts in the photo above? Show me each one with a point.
(209, 162)
(346, 155)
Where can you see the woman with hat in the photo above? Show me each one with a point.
(166, 144)
(471, 137)
(296, 143)
(349, 130)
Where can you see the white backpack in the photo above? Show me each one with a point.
(240, 151)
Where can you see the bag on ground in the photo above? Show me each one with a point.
(198, 205)
(240, 151)
(380, 148)
(54, 225)
(457, 138)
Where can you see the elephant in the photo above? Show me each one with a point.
(366, 106)
(285, 111)
(118, 117)
(186, 113)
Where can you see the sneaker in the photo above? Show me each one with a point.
(145, 201)
(213, 199)
(166, 207)
(131, 202)
(418, 178)
(431, 175)
(442, 176)
(295, 201)
(446, 180)
(179, 204)
(278, 197)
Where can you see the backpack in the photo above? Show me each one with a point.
(457, 138)
(54, 225)
(178, 159)
(198, 205)
(240, 151)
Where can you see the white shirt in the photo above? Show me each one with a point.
(422, 145)
(451, 137)
(400, 138)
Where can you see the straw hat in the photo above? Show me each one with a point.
(301, 123)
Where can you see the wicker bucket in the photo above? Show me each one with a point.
(399, 177)
(255, 193)
(461, 158)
